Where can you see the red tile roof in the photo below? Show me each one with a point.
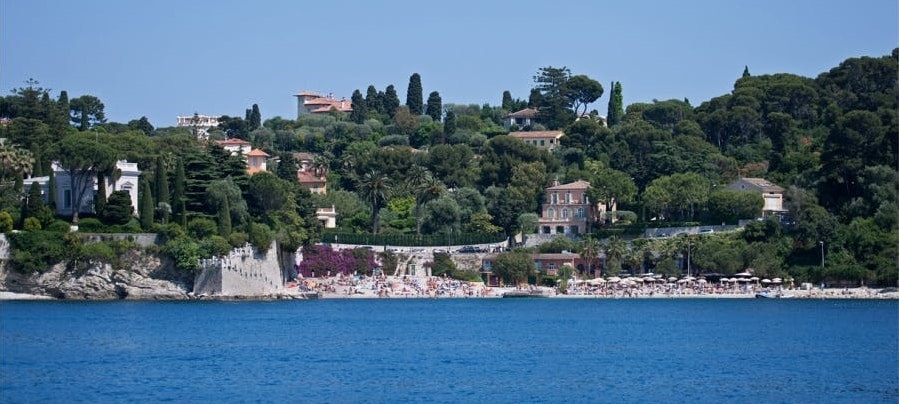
(257, 153)
(577, 185)
(538, 134)
(525, 113)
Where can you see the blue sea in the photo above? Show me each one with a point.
(452, 350)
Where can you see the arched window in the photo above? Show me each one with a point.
(565, 213)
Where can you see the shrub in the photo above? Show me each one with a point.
(201, 228)
(214, 246)
(184, 252)
(37, 251)
(91, 225)
(59, 226)
(238, 239)
(96, 253)
(31, 224)
(5, 222)
(261, 236)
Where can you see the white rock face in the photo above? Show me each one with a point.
(146, 278)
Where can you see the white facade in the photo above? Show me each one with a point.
(202, 124)
(126, 181)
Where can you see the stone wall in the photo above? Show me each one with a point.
(141, 239)
(243, 272)
(4, 247)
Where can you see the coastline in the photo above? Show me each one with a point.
(323, 288)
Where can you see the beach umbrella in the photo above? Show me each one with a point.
(777, 280)
(672, 279)
(614, 279)
(754, 279)
(744, 274)
(766, 280)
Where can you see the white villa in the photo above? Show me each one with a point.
(126, 181)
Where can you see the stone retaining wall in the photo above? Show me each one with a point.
(243, 272)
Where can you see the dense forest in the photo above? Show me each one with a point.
(425, 168)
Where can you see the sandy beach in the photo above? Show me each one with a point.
(409, 287)
(437, 287)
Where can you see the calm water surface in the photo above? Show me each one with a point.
(489, 350)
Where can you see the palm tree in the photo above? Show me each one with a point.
(615, 249)
(14, 162)
(590, 251)
(428, 189)
(374, 187)
(320, 165)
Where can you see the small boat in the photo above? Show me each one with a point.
(771, 295)
(524, 294)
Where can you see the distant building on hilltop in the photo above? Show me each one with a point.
(199, 124)
(521, 119)
(309, 102)
(544, 139)
(771, 193)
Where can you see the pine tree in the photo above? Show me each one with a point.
(178, 197)
(224, 216)
(414, 95)
(162, 190)
(360, 108)
(391, 101)
(435, 106)
(616, 107)
(746, 71)
(146, 204)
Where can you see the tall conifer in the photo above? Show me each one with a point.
(146, 204)
(616, 106)
(360, 108)
(435, 106)
(414, 95)
(178, 197)
(162, 190)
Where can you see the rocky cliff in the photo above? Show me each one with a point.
(144, 276)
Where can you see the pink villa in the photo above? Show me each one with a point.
(543, 139)
(567, 209)
(309, 102)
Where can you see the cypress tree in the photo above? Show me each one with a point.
(391, 101)
(146, 204)
(616, 106)
(373, 100)
(360, 109)
(746, 71)
(34, 203)
(51, 194)
(224, 216)
(100, 199)
(435, 106)
(255, 119)
(414, 95)
(162, 189)
(178, 197)
(449, 125)
(507, 101)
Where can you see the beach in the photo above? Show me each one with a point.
(409, 287)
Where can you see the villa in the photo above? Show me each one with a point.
(309, 102)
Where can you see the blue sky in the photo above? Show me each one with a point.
(164, 58)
